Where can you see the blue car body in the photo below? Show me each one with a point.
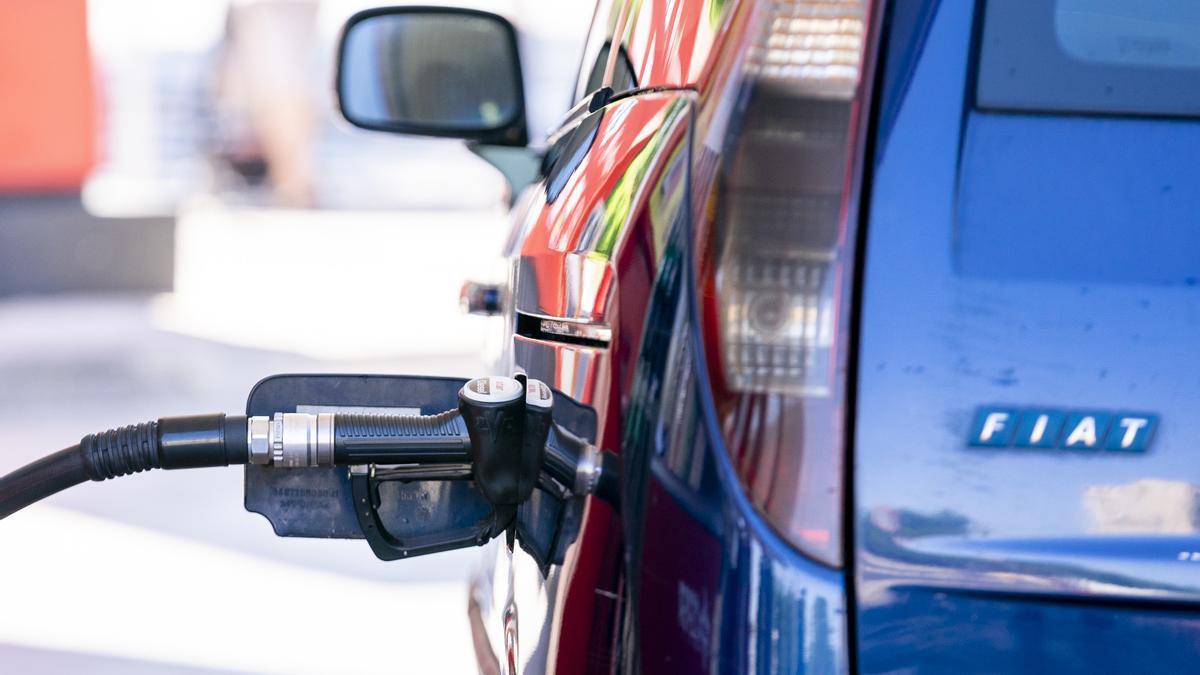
(1012, 260)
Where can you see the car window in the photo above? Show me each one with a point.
(1138, 57)
(595, 54)
(623, 78)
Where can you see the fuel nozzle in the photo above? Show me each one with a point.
(539, 417)
(503, 430)
(493, 410)
(504, 460)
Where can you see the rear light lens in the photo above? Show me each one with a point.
(777, 264)
(813, 47)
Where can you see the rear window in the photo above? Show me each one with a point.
(1137, 57)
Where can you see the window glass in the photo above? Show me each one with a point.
(1137, 57)
(1155, 33)
(623, 79)
(595, 50)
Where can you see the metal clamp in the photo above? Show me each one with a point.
(291, 440)
(587, 470)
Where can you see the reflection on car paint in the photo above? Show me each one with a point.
(771, 610)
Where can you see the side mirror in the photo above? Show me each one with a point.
(433, 71)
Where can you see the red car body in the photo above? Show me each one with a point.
(589, 257)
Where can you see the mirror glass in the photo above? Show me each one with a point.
(430, 71)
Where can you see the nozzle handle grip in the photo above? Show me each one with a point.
(364, 438)
(493, 409)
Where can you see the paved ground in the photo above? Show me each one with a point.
(162, 570)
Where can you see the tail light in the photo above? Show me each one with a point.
(778, 265)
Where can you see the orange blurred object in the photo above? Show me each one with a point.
(47, 122)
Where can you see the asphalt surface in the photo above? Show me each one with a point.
(165, 571)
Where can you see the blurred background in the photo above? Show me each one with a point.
(177, 197)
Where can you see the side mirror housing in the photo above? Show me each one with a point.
(433, 71)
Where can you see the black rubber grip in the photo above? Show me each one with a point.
(363, 438)
(120, 452)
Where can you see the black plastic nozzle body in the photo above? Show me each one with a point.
(497, 431)
(539, 417)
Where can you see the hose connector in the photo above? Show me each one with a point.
(291, 440)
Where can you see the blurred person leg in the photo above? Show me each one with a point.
(271, 73)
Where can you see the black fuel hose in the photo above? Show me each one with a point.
(36, 481)
(170, 443)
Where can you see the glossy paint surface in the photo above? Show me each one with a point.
(586, 249)
(712, 587)
(589, 257)
(567, 258)
(1013, 262)
(1024, 261)
(672, 44)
